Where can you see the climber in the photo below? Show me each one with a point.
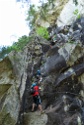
(36, 98)
(39, 76)
(38, 72)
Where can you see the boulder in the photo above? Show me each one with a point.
(72, 72)
(64, 57)
(10, 105)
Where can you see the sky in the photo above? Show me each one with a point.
(12, 21)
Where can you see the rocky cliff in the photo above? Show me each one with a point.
(61, 61)
(59, 12)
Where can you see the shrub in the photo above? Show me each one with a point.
(42, 31)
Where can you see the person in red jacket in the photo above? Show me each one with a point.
(36, 98)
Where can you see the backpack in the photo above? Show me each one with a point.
(32, 91)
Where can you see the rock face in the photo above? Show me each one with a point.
(49, 13)
(68, 15)
(62, 69)
(35, 118)
(59, 12)
(63, 58)
(9, 98)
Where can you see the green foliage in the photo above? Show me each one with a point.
(76, 2)
(76, 12)
(51, 2)
(32, 12)
(43, 14)
(17, 46)
(22, 41)
(42, 31)
(71, 41)
(31, 15)
(3, 52)
(79, 16)
(45, 8)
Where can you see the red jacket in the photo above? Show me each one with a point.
(36, 88)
